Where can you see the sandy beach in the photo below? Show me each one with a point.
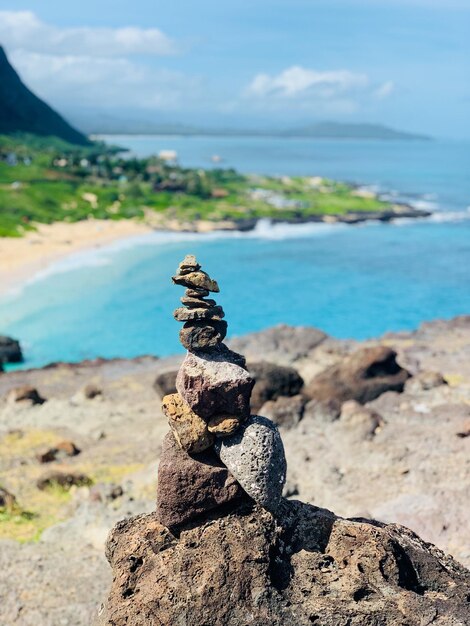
(23, 257)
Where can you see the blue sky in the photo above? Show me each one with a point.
(405, 63)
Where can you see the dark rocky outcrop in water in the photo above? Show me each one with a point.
(10, 350)
(23, 112)
(304, 567)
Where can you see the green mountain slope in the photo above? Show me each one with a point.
(23, 112)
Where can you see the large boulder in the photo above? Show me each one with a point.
(362, 376)
(189, 486)
(273, 381)
(10, 350)
(215, 382)
(305, 567)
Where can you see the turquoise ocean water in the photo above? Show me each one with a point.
(352, 281)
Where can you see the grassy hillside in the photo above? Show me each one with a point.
(44, 181)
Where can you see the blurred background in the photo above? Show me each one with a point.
(315, 156)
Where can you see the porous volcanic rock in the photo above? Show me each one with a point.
(215, 382)
(191, 485)
(362, 376)
(272, 381)
(304, 567)
(254, 454)
(10, 350)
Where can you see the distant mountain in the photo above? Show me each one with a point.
(23, 112)
(335, 130)
(116, 125)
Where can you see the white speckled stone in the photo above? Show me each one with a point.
(254, 454)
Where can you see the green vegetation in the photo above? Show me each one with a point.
(44, 180)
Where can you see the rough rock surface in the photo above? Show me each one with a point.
(415, 470)
(200, 335)
(305, 567)
(198, 280)
(191, 485)
(223, 425)
(363, 376)
(215, 382)
(184, 314)
(10, 350)
(272, 381)
(189, 430)
(254, 454)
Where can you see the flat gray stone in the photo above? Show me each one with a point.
(254, 455)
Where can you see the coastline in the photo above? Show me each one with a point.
(24, 257)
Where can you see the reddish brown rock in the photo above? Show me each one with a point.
(26, 393)
(189, 486)
(305, 567)
(215, 382)
(61, 450)
(362, 376)
(189, 430)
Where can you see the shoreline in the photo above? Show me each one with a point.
(25, 257)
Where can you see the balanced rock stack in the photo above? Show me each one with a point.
(216, 453)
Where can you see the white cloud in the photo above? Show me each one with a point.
(24, 30)
(385, 90)
(103, 82)
(299, 82)
(93, 66)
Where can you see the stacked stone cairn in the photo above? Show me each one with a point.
(217, 454)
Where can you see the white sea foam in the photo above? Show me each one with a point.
(264, 229)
